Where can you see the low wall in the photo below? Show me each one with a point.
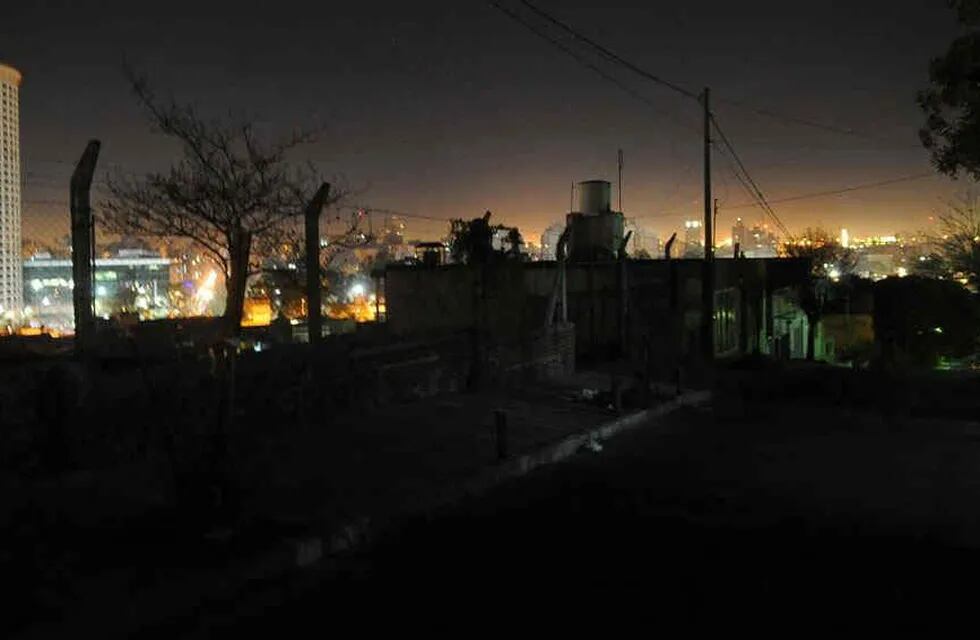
(108, 412)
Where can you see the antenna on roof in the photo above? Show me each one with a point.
(620, 180)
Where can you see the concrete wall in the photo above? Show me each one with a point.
(430, 299)
(662, 301)
(461, 298)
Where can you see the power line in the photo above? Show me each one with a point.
(665, 214)
(609, 54)
(389, 212)
(765, 112)
(60, 203)
(742, 174)
(756, 202)
(821, 194)
(813, 124)
(748, 190)
(584, 62)
(756, 191)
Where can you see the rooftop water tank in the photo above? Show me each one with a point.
(594, 197)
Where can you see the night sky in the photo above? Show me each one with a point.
(450, 108)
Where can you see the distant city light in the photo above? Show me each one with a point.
(845, 238)
(902, 272)
(205, 293)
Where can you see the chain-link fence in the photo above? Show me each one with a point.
(139, 277)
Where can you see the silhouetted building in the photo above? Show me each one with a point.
(693, 245)
(739, 235)
(756, 241)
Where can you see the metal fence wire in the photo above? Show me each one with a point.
(142, 278)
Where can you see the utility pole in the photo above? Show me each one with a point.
(708, 276)
(314, 323)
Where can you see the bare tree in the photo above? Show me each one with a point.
(228, 189)
(826, 254)
(471, 241)
(957, 244)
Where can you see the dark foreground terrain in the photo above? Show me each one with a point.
(805, 516)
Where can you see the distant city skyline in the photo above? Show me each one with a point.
(447, 110)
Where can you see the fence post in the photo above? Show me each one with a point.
(616, 391)
(314, 322)
(500, 432)
(81, 244)
(647, 377)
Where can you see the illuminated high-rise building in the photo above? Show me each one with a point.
(11, 277)
(739, 235)
(693, 246)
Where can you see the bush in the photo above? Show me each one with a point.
(919, 320)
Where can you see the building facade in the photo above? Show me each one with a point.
(11, 278)
(693, 244)
(549, 240)
(123, 284)
(646, 310)
(754, 242)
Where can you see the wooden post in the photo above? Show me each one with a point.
(770, 320)
(708, 275)
(314, 321)
(616, 391)
(647, 377)
(500, 432)
(622, 273)
(81, 244)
